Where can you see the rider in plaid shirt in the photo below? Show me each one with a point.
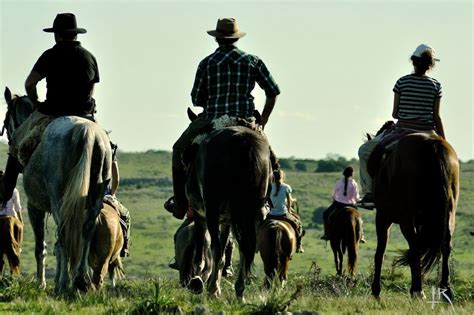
(223, 85)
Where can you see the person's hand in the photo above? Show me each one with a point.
(264, 122)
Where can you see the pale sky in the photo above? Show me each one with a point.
(335, 61)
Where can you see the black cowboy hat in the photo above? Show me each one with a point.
(65, 23)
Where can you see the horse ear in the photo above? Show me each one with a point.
(8, 95)
(369, 137)
(191, 115)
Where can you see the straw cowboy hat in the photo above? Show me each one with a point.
(65, 23)
(226, 28)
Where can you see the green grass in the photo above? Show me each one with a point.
(146, 184)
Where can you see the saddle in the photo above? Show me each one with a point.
(116, 205)
(224, 121)
(391, 136)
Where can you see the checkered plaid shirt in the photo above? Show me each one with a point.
(224, 82)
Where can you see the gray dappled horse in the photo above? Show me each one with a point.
(227, 186)
(417, 186)
(67, 176)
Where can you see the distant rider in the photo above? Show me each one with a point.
(282, 206)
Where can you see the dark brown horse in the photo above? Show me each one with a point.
(227, 186)
(104, 254)
(417, 186)
(11, 236)
(276, 242)
(345, 233)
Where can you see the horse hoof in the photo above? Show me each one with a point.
(447, 295)
(418, 295)
(42, 286)
(81, 284)
(196, 285)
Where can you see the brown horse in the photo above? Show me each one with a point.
(11, 236)
(276, 241)
(105, 248)
(417, 186)
(227, 186)
(345, 233)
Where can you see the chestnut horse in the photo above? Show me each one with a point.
(106, 244)
(276, 241)
(417, 186)
(11, 236)
(345, 233)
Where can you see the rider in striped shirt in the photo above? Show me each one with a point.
(416, 105)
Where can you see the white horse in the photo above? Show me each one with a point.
(67, 176)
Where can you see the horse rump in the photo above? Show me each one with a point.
(434, 197)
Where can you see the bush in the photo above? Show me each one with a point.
(300, 166)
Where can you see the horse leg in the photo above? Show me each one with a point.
(99, 274)
(37, 219)
(213, 288)
(62, 272)
(336, 249)
(81, 280)
(199, 235)
(447, 292)
(383, 230)
(408, 230)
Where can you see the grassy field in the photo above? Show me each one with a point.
(146, 184)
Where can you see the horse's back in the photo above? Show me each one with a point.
(63, 145)
(420, 165)
(234, 164)
(268, 237)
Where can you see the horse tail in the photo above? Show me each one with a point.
(253, 154)
(72, 211)
(352, 242)
(116, 269)
(278, 248)
(434, 227)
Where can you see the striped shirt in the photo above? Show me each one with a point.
(224, 82)
(417, 96)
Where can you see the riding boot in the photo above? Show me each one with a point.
(178, 204)
(299, 245)
(228, 271)
(125, 252)
(9, 178)
(326, 235)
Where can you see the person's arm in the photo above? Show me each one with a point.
(289, 200)
(437, 118)
(17, 204)
(30, 86)
(268, 84)
(199, 92)
(396, 103)
(115, 178)
(267, 109)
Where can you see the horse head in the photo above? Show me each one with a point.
(19, 108)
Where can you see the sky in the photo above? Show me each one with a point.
(336, 63)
